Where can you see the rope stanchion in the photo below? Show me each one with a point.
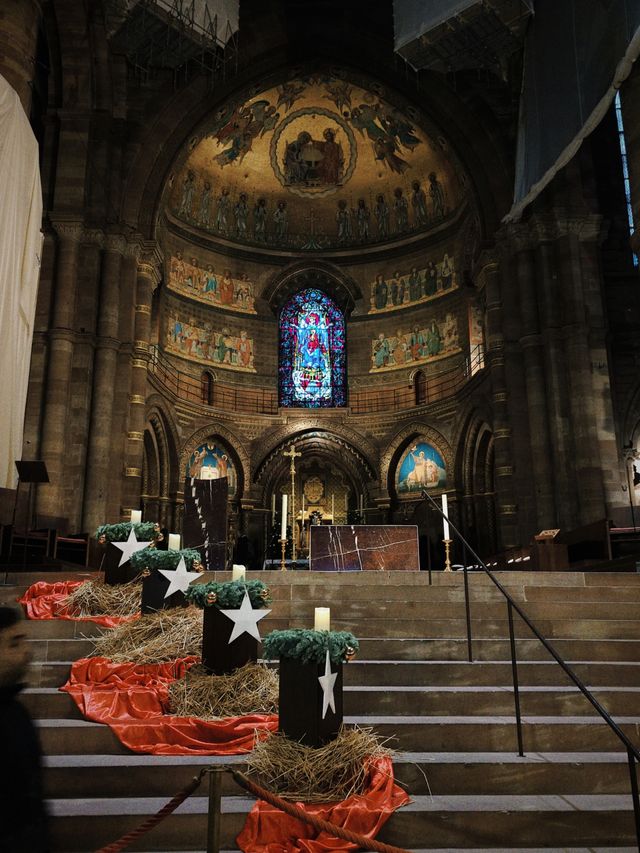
(155, 819)
(317, 822)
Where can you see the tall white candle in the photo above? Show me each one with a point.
(174, 541)
(238, 573)
(136, 516)
(273, 508)
(322, 621)
(445, 521)
(303, 508)
(283, 520)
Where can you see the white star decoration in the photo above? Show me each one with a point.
(129, 547)
(245, 619)
(179, 578)
(326, 682)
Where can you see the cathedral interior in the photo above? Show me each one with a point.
(291, 230)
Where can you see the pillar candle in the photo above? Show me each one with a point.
(273, 508)
(136, 516)
(283, 520)
(322, 621)
(238, 573)
(174, 541)
(445, 521)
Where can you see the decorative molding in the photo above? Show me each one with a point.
(143, 309)
(508, 509)
(133, 472)
(137, 399)
(71, 231)
(502, 432)
(500, 397)
(139, 362)
(134, 435)
(115, 243)
(504, 470)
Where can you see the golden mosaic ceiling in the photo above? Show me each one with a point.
(317, 162)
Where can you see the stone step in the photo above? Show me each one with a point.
(412, 733)
(421, 701)
(445, 820)
(422, 773)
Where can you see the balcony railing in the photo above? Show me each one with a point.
(265, 401)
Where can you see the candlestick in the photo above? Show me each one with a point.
(283, 545)
(174, 541)
(447, 555)
(136, 516)
(238, 573)
(445, 520)
(283, 520)
(322, 621)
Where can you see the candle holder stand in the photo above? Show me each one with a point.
(283, 545)
(447, 554)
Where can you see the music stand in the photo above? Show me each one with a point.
(34, 471)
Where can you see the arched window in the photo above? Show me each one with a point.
(420, 387)
(206, 388)
(312, 369)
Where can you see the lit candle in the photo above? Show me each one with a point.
(283, 520)
(322, 621)
(445, 520)
(136, 516)
(333, 509)
(273, 508)
(238, 573)
(174, 541)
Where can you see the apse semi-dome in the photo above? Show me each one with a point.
(318, 161)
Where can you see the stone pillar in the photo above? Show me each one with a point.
(488, 278)
(535, 380)
(146, 282)
(18, 41)
(99, 462)
(60, 356)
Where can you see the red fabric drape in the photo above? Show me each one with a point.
(46, 601)
(268, 830)
(131, 699)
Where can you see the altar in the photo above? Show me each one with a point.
(360, 547)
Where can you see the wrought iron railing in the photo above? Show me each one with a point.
(231, 398)
(633, 754)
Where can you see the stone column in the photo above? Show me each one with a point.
(60, 356)
(489, 279)
(147, 279)
(99, 462)
(535, 379)
(18, 41)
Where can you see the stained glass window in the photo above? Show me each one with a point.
(312, 371)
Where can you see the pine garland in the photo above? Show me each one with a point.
(307, 646)
(145, 531)
(150, 558)
(229, 595)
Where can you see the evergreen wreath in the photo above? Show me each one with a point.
(145, 531)
(150, 558)
(229, 595)
(307, 646)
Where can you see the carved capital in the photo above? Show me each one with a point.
(93, 237)
(134, 435)
(136, 400)
(133, 472)
(143, 309)
(68, 231)
(115, 243)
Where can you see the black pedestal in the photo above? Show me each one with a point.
(113, 573)
(153, 589)
(219, 656)
(300, 703)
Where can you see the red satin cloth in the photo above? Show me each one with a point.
(268, 830)
(47, 601)
(131, 699)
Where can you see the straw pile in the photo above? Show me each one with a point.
(96, 598)
(330, 773)
(252, 689)
(162, 636)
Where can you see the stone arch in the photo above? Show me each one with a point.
(475, 463)
(401, 441)
(321, 274)
(236, 448)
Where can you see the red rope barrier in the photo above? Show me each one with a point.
(155, 819)
(317, 822)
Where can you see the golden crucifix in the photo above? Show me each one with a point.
(293, 455)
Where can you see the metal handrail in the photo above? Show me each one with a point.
(633, 754)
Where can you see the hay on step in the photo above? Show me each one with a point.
(252, 689)
(162, 636)
(325, 774)
(96, 598)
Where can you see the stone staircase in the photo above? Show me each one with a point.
(452, 721)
